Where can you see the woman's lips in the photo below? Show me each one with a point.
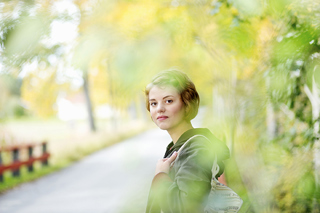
(161, 118)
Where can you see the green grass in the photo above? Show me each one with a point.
(39, 171)
(62, 160)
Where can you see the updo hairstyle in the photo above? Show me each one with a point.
(182, 84)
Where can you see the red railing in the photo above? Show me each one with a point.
(16, 163)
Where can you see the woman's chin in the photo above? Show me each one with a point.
(162, 127)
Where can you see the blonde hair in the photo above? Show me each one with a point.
(182, 84)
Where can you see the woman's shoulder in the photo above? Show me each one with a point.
(200, 135)
(199, 144)
(203, 139)
(199, 140)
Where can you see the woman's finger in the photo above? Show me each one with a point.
(172, 158)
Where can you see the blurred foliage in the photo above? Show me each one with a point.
(252, 62)
(10, 103)
(39, 90)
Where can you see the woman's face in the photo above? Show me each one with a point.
(166, 107)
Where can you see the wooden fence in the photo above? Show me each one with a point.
(16, 163)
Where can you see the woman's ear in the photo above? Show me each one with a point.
(186, 110)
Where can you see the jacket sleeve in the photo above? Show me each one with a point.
(189, 184)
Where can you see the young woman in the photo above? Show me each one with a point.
(182, 184)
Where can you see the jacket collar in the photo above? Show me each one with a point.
(185, 136)
(219, 145)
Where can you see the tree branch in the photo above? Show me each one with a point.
(310, 95)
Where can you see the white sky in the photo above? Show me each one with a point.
(64, 31)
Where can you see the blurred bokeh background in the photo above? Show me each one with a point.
(72, 72)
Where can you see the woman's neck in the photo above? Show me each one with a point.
(178, 131)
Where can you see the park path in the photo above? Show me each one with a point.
(113, 180)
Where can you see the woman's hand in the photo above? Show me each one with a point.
(163, 165)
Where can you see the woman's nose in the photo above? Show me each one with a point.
(160, 108)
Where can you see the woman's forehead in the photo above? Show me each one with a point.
(163, 91)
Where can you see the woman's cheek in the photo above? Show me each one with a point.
(153, 116)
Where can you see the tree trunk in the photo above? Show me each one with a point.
(114, 125)
(88, 102)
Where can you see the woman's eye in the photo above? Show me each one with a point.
(153, 103)
(169, 101)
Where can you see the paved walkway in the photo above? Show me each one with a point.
(114, 180)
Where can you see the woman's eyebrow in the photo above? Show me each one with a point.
(162, 98)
